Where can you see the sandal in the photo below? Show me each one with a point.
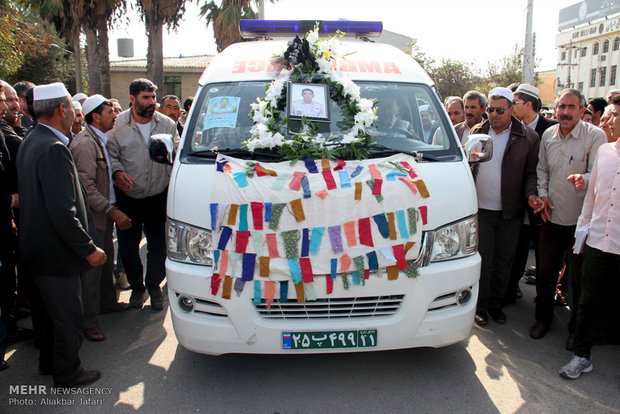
(94, 335)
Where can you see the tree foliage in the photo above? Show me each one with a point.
(454, 77)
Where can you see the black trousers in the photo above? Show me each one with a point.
(61, 338)
(528, 236)
(555, 241)
(600, 270)
(149, 215)
(497, 246)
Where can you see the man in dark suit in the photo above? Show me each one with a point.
(525, 108)
(54, 241)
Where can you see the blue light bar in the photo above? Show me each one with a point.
(278, 28)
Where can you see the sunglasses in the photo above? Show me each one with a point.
(500, 111)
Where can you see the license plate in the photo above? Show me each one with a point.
(330, 339)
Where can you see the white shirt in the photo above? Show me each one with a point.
(145, 129)
(104, 140)
(489, 181)
(62, 137)
(534, 122)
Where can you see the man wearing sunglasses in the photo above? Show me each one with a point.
(503, 184)
(567, 150)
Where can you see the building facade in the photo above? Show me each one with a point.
(589, 58)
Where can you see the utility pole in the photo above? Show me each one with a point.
(261, 9)
(528, 56)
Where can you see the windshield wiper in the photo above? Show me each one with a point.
(212, 153)
(378, 149)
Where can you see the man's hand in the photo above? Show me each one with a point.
(97, 258)
(577, 180)
(15, 200)
(122, 221)
(123, 180)
(545, 210)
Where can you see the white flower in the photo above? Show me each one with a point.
(364, 104)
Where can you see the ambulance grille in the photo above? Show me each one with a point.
(338, 308)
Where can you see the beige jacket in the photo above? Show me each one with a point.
(92, 167)
(129, 153)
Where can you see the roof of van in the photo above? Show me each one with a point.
(250, 61)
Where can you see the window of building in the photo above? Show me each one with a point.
(612, 75)
(593, 78)
(595, 51)
(580, 86)
(563, 56)
(584, 52)
(603, 76)
(606, 46)
(172, 86)
(576, 52)
(617, 43)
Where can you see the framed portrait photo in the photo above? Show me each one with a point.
(310, 100)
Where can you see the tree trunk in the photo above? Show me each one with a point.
(77, 55)
(103, 55)
(94, 76)
(155, 53)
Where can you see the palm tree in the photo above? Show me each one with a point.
(156, 14)
(225, 19)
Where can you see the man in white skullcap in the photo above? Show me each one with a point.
(54, 235)
(76, 127)
(80, 97)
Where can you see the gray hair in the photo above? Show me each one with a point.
(45, 108)
(454, 99)
(476, 95)
(573, 92)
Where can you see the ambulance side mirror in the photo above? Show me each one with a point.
(161, 149)
(479, 148)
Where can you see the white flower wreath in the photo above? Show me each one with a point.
(271, 131)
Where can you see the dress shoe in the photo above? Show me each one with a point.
(85, 377)
(497, 315)
(538, 330)
(529, 280)
(116, 307)
(570, 342)
(137, 299)
(481, 318)
(157, 299)
(518, 293)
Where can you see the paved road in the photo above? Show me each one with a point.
(499, 369)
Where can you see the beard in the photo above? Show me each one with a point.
(145, 111)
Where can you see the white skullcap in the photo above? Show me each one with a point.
(528, 90)
(77, 105)
(424, 108)
(92, 103)
(51, 91)
(79, 96)
(504, 92)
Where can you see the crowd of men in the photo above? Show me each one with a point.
(75, 169)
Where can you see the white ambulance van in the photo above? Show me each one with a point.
(374, 306)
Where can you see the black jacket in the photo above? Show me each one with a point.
(53, 228)
(542, 125)
(518, 166)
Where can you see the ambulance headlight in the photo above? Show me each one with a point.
(189, 244)
(456, 240)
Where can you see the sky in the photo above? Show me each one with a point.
(474, 31)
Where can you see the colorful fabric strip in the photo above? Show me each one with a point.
(270, 292)
(220, 164)
(411, 270)
(243, 217)
(276, 213)
(391, 225)
(223, 263)
(373, 263)
(228, 281)
(268, 211)
(349, 232)
(388, 254)
(322, 194)
(355, 276)
(295, 183)
(311, 166)
(291, 238)
(408, 246)
(409, 168)
(358, 262)
(421, 187)
(358, 191)
(325, 164)
(402, 224)
(391, 176)
(306, 270)
(382, 224)
(298, 210)
(423, 213)
(376, 186)
(399, 254)
(365, 233)
(240, 179)
(224, 237)
(358, 171)
(329, 180)
(329, 285)
(315, 240)
(260, 171)
(257, 239)
(250, 169)
(234, 259)
(305, 242)
(232, 214)
(345, 281)
(216, 259)
(374, 172)
(280, 181)
(309, 291)
(248, 265)
(241, 241)
(257, 215)
(305, 185)
(263, 266)
(409, 183)
(392, 272)
(335, 238)
(344, 179)
(345, 263)
(293, 266)
(412, 215)
(340, 166)
(213, 207)
(221, 212)
(238, 286)
(215, 283)
(272, 245)
(333, 268)
(284, 291)
(257, 292)
(299, 291)
(371, 184)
